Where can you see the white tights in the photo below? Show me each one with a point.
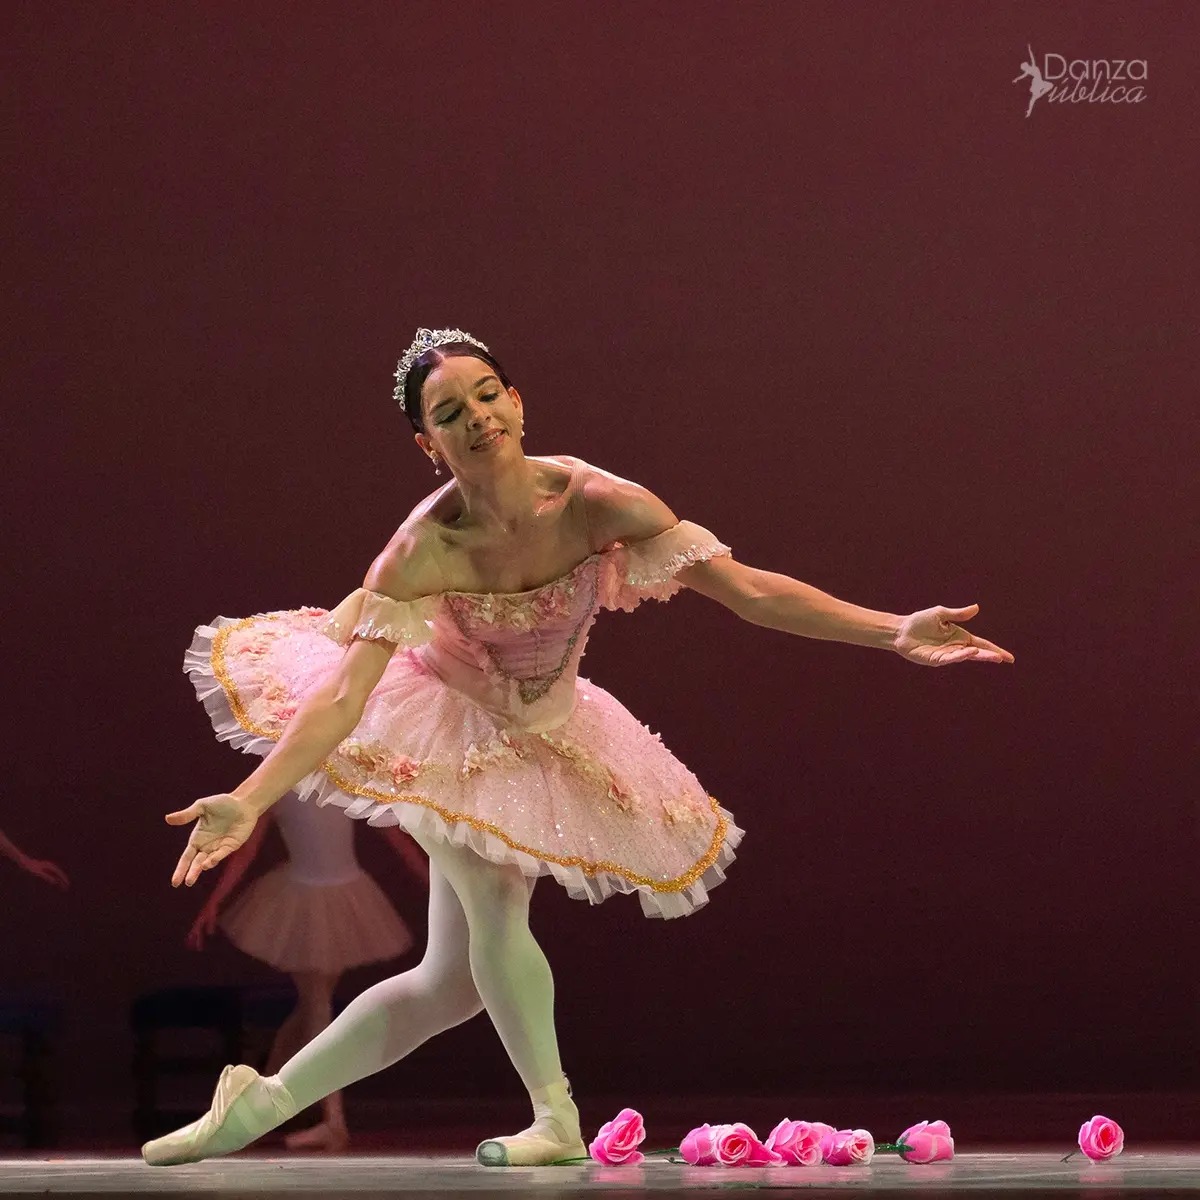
(480, 954)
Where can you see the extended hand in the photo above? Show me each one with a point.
(931, 639)
(205, 925)
(45, 869)
(222, 825)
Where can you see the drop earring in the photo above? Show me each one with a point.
(437, 464)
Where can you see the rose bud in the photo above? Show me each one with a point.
(617, 1142)
(848, 1148)
(798, 1142)
(930, 1142)
(1101, 1138)
(738, 1146)
(699, 1147)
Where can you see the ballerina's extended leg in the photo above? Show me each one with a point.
(481, 951)
(379, 1027)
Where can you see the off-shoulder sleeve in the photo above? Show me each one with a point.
(367, 614)
(646, 570)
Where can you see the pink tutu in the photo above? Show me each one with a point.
(480, 732)
(295, 926)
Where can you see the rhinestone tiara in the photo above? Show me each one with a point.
(426, 339)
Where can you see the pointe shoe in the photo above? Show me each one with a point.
(554, 1134)
(327, 1138)
(245, 1106)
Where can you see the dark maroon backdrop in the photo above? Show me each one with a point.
(804, 270)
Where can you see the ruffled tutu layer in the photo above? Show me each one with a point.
(328, 928)
(598, 802)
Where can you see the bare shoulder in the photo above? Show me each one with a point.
(619, 510)
(409, 566)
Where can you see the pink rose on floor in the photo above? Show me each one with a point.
(930, 1142)
(797, 1142)
(699, 1147)
(848, 1148)
(618, 1140)
(738, 1146)
(1101, 1138)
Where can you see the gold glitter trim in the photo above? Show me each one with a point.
(587, 866)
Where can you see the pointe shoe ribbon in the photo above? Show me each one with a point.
(244, 1107)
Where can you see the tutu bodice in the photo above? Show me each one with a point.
(481, 731)
(514, 654)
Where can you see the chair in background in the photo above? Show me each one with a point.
(235, 1025)
(28, 1024)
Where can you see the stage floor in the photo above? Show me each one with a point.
(1034, 1172)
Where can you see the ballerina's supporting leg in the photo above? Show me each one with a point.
(375, 1030)
(514, 981)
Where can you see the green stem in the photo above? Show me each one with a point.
(566, 1162)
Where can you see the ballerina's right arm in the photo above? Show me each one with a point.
(406, 570)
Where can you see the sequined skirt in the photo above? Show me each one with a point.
(598, 802)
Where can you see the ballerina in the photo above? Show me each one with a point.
(443, 696)
(313, 917)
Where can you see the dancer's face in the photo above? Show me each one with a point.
(471, 419)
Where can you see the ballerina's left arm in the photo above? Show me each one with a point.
(932, 637)
(929, 638)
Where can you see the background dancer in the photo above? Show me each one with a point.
(314, 916)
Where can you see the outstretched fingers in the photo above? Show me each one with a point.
(199, 863)
(208, 858)
(183, 867)
(984, 651)
(989, 651)
(945, 656)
